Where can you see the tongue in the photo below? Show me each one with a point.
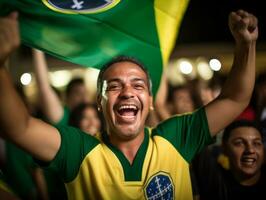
(127, 113)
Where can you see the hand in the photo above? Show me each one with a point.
(9, 36)
(243, 26)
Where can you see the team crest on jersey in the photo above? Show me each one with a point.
(159, 186)
(80, 6)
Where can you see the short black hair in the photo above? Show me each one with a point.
(74, 82)
(240, 123)
(119, 59)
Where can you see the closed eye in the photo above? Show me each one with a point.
(113, 87)
(257, 143)
(139, 86)
(238, 143)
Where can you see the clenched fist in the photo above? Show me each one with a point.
(243, 26)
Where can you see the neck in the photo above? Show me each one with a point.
(128, 147)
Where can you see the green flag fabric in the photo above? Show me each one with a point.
(92, 32)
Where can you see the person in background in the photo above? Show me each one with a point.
(244, 175)
(86, 117)
(52, 107)
(181, 100)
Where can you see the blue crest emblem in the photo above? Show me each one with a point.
(80, 6)
(160, 186)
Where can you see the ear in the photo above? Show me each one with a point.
(151, 103)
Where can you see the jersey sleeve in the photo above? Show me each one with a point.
(75, 145)
(188, 133)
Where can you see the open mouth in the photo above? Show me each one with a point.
(246, 161)
(127, 110)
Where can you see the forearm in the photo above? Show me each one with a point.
(160, 100)
(237, 91)
(14, 116)
(51, 104)
(40, 69)
(34, 136)
(240, 82)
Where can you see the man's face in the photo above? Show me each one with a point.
(245, 151)
(125, 100)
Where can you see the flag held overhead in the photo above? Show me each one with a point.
(92, 32)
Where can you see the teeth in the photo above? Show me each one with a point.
(248, 160)
(128, 107)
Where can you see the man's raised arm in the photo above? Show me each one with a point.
(237, 91)
(16, 125)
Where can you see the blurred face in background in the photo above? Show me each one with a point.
(90, 122)
(182, 101)
(77, 95)
(245, 151)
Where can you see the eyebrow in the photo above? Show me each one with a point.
(242, 138)
(114, 80)
(138, 79)
(132, 80)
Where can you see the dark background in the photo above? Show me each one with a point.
(206, 21)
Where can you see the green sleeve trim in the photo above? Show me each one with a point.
(75, 145)
(188, 133)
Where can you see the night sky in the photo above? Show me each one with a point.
(205, 21)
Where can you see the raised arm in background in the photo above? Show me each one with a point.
(161, 99)
(34, 136)
(51, 104)
(237, 90)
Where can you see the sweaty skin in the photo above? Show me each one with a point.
(104, 89)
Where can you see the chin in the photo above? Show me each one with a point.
(249, 173)
(128, 133)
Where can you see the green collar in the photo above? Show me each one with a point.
(131, 172)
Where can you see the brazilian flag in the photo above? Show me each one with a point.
(92, 32)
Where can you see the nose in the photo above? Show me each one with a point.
(250, 148)
(127, 92)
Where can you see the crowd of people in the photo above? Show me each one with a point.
(128, 144)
